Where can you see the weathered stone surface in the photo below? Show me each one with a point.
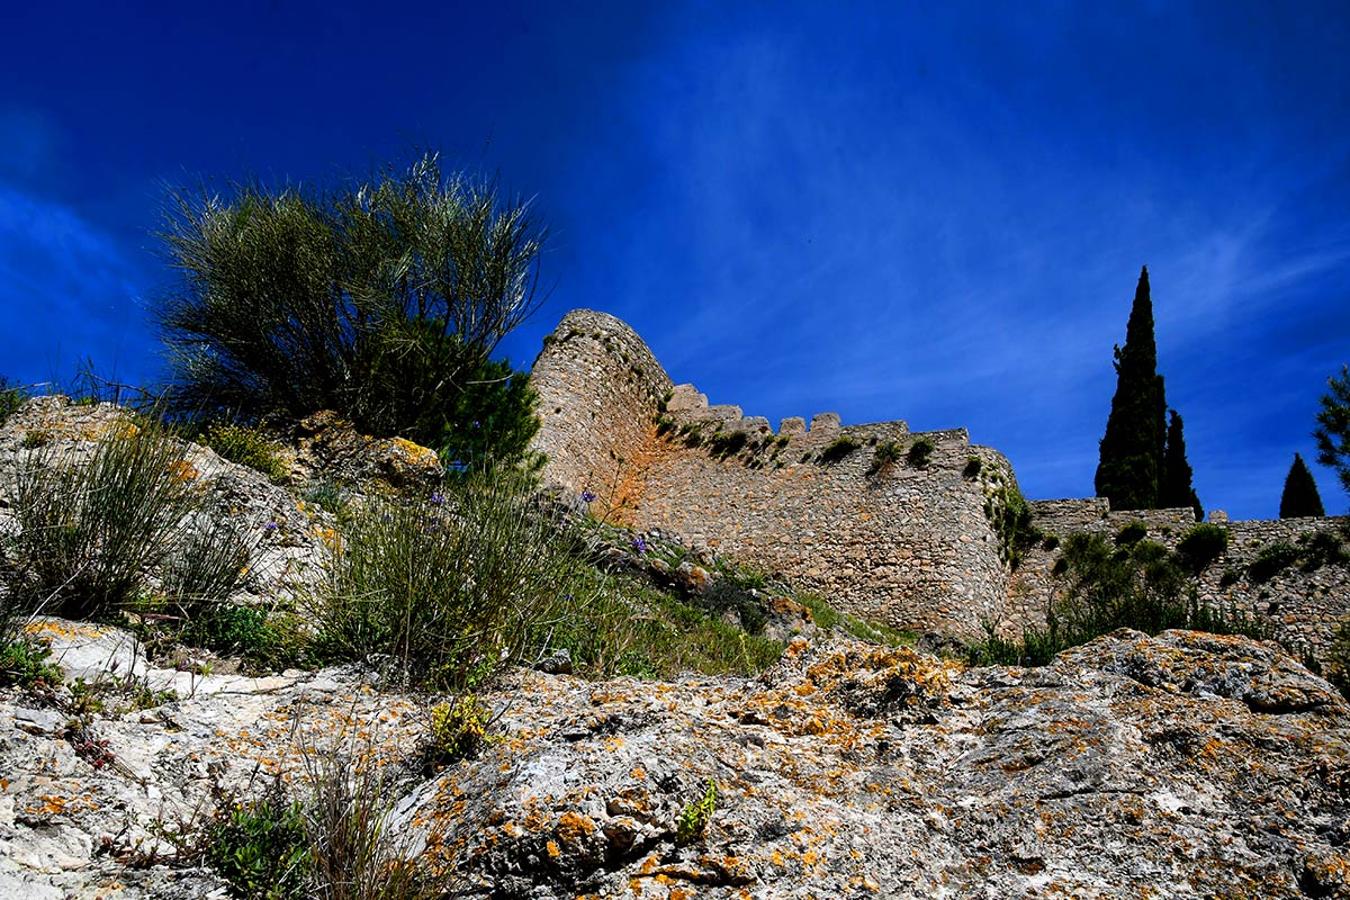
(330, 449)
(1178, 766)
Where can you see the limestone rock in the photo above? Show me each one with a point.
(1182, 765)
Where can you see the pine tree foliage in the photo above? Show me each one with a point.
(1300, 497)
(1333, 427)
(1176, 489)
(1129, 473)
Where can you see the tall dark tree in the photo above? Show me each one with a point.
(1175, 489)
(1129, 473)
(1300, 497)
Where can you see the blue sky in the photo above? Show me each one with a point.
(934, 212)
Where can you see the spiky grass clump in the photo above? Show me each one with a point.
(448, 589)
(90, 531)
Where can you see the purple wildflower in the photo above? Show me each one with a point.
(587, 497)
(270, 527)
(437, 499)
(639, 544)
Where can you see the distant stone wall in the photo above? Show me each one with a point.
(909, 544)
(1302, 607)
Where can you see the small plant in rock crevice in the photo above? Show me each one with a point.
(27, 663)
(458, 728)
(247, 446)
(886, 456)
(919, 452)
(837, 450)
(697, 816)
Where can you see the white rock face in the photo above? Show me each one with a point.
(1185, 765)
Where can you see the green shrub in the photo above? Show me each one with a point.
(261, 848)
(621, 625)
(382, 299)
(247, 447)
(27, 663)
(1271, 561)
(919, 452)
(1202, 545)
(1321, 548)
(11, 398)
(355, 854)
(1010, 516)
(458, 729)
(90, 531)
(449, 592)
(838, 449)
(827, 618)
(741, 596)
(696, 816)
(726, 443)
(886, 456)
(1140, 586)
(268, 641)
(327, 496)
(1132, 533)
(209, 562)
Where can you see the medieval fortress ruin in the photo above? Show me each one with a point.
(911, 528)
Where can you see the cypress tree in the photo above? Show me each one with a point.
(1130, 467)
(1300, 497)
(1176, 489)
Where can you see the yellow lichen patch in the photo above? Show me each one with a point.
(572, 827)
(66, 630)
(182, 471)
(416, 453)
(554, 851)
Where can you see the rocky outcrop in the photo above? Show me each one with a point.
(1184, 765)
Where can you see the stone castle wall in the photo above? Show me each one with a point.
(599, 388)
(911, 545)
(908, 545)
(1303, 608)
